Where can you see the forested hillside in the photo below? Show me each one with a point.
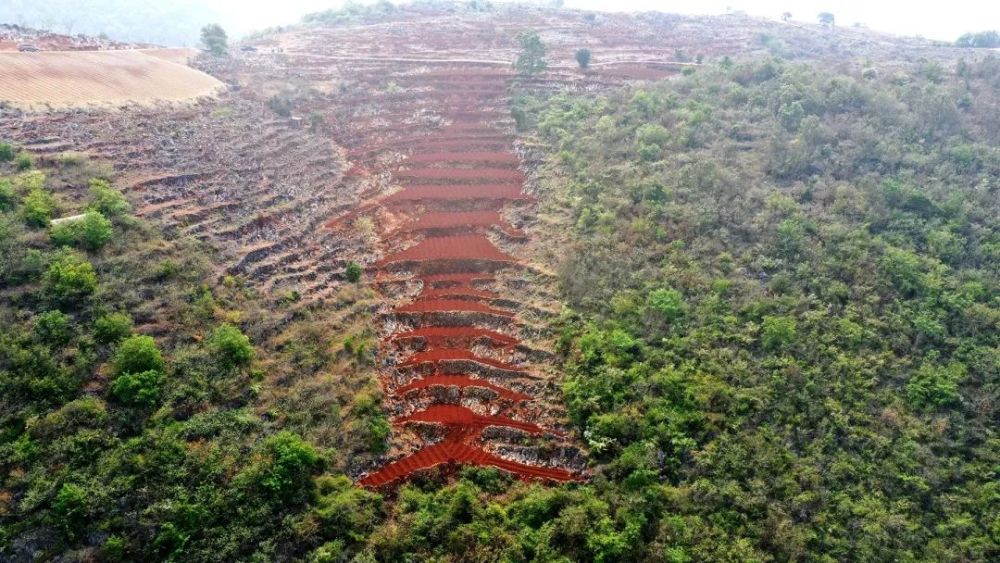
(784, 284)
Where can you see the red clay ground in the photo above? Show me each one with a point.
(454, 183)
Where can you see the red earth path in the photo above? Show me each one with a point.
(455, 182)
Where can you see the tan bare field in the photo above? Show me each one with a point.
(84, 78)
(179, 55)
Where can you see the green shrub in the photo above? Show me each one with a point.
(70, 276)
(113, 327)
(37, 208)
(231, 346)
(114, 549)
(778, 332)
(53, 328)
(92, 231)
(344, 509)
(282, 470)
(354, 272)
(6, 152)
(583, 58)
(7, 196)
(667, 302)
(106, 200)
(653, 134)
(63, 234)
(166, 270)
(95, 230)
(24, 161)
(137, 354)
(140, 389)
(28, 181)
(70, 503)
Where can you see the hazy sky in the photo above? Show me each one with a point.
(173, 21)
(934, 20)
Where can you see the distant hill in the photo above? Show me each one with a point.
(175, 23)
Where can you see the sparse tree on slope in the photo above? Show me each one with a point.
(213, 37)
(532, 57)
(583, 58)
(826, 18)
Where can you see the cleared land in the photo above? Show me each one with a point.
(74, 79)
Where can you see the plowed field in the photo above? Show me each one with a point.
(82, 78)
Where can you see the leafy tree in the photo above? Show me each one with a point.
(826, 18)
(37, 208)
(653, 134)
(583, 58)
(532, 58)
(69, 277)
(136, 354)
(231, 346)
(214, 38)
(354, 272)
(95, 230)
(141, 389)
(6, 152)
(981, 40)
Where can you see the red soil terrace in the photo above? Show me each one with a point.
(450, 190)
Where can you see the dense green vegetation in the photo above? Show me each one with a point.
(786, 301)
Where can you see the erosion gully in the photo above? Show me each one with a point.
(448, 359)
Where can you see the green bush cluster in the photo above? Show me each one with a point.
(92, 231)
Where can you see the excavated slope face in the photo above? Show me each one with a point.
(453, 371)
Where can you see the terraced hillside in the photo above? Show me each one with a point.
(387, 141)
(454, 369)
